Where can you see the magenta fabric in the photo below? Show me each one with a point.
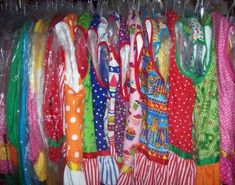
(226, 91)
(35, 140)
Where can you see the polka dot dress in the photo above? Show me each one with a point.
(99, 94)
(181, 102)
(226, 91)
(53, 115)
(121, 103)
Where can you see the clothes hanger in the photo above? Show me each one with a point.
(184, 7)
(200, 9)
(230, 9)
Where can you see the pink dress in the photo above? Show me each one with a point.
(222, 32)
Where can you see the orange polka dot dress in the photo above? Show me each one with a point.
(74, 92)
(74, 106)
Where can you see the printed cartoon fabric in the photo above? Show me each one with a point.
(154, 136)
(114, 70)
(134, 118)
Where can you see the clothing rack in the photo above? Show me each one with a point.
(117, 92)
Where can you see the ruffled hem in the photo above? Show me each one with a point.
(178, 171)
(208, 174)
(227, 171)
(108, 169)
(74, 177)
(91, 171)
(126, 178)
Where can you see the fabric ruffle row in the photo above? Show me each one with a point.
(126, 178)
(227, 173)
(91, 171)
(108, 168)
(74, 177)
(178, 171)
(208, 174)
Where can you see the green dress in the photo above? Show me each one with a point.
(89, 143)
(202, 70)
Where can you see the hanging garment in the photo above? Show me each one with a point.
(37, 138)
(226, 90)
(37, 54)
(13, 93)
(103, 61)
(134, 112)
(6, 43)
(154, 89)
(202, 70)
(53, 96)
(180, 109)
(74, 102)
(114, 67)
(15, 98)
(23, 121)
(90, 163)
(121, 100)
(154, 136)
(107, 165)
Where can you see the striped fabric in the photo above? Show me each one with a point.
(109, 171)
(182, 171)
(91, 171)
(126, 179)
(112, 147)
(179, 171)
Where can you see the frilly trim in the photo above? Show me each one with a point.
(126, 178)
(208, 174)
(74, 177)
(108, 168)
(91, 171)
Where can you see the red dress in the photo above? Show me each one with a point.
(180, 106)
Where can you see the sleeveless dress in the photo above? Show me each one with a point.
(154, 90)
(114, 71)
(226, 89)
(52, 102)
(121, 102)
(133, 122)
(107, 166)
(180, 110)
(90, 163)
(201, 68)
(37, 138)
(74, 92)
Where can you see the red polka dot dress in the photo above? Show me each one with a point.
(180, 106)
